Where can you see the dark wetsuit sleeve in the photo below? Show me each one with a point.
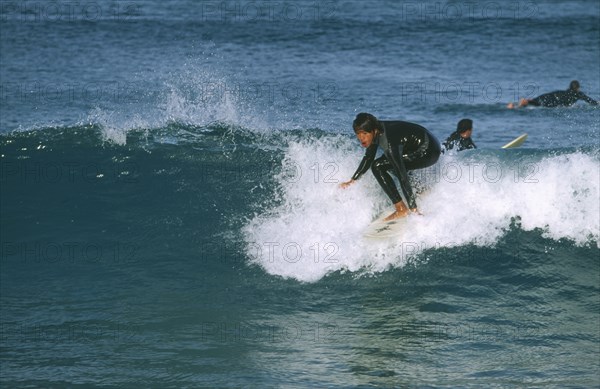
(398, 163)
(468, 144)
(366, 162)
(451, 141)
(587, 99)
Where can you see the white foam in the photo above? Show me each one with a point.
(115, 126)
(565, 202)
(473, 199)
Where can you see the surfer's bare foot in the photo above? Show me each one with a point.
(401, 211)
(396, 215)
(523, 103)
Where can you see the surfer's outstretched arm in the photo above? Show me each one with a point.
(587, 99)
(365, 164)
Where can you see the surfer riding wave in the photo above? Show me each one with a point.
(406, 146)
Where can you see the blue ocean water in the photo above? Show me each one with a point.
(171, 216)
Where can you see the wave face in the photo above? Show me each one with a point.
(280, 193)
(471, 199)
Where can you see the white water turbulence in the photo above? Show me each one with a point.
(471, 198)
(190, 95)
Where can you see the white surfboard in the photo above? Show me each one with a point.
(380, 229)
(518, 141)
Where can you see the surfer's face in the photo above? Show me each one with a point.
(365, 138)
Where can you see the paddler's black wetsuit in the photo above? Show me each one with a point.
(458, 143)
(406, 146)
(561, 98)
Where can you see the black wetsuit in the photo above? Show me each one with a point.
(458, 142)
(406, 146)
(561, 98)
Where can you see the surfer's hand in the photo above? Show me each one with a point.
(346, 184)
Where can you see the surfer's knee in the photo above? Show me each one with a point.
(434, 157)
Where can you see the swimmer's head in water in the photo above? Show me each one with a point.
(365, 122)
(464, 125)
(574, 85)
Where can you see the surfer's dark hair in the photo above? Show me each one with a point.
(365, 122)
(464, 125)
(574, 85)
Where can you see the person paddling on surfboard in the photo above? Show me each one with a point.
(406, 146)
(560, 98)
(461, 138)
